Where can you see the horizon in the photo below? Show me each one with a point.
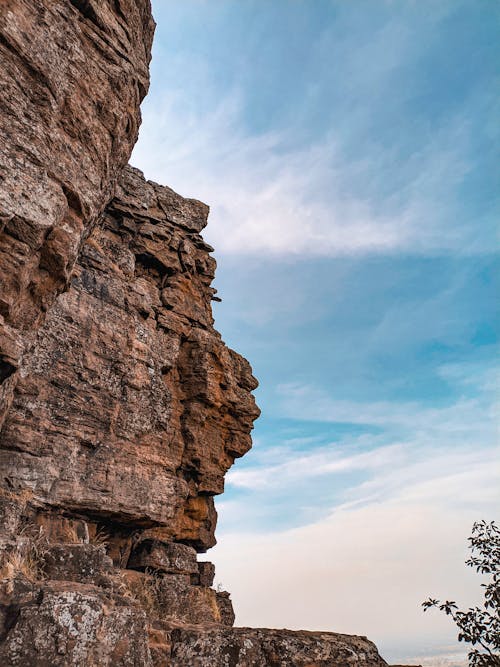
(346, 151)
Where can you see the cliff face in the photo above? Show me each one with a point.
(127, 413)
(72, 76)
(121, 407)
(129, 408)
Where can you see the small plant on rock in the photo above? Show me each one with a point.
(147, 591)
(27, 559)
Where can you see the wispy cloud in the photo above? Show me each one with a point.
(394, 532)
(326, 461)
(469, 417)
(408, 445)
(289, 192)
(266, 197)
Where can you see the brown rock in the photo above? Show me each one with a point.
(225, 607)
(173, 599)
(72, 75)
(206, 573)
(251, 647)
(164, 556)
(58, 528)
(76, 562)
(74, 625)
(128, 411)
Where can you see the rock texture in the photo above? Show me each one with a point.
(240, 647)
(72, 75)
(129, 408)
(121, 408)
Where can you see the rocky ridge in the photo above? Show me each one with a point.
(121, 407)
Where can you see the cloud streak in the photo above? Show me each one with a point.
(267, 198)
(284, 192)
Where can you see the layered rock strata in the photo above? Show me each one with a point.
(121, 408)
(127, 413)
(72, 76)
(129, 408)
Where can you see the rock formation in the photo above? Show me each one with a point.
(121, 407)
(72, 76)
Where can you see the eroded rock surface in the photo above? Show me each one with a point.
(241, 647)
(127, 413)
(72, 76)
(129, 408)
(75, 625)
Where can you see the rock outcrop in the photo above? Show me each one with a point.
(255, 647)
(121, 407)
(129, 408)
(72, 76)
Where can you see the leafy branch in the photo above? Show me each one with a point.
(477, 626)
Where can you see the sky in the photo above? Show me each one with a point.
(346, 150)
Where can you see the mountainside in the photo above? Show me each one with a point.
(121, 409)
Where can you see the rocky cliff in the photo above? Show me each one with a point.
(72, 76)
(121, 407)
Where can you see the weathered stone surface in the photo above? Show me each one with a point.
(225, 607)
(167, 557)
(74, 625)
(76, 562)
(251, 647)
(61, 529)
(72, 75)
(172, 598)
(128, 409)
(206, 573)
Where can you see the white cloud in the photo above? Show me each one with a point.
(468, 418)
(268, 196)
(327, 461)
(408, 468)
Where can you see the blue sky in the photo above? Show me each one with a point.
(347, 152)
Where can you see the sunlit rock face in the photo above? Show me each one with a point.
(129, 408)
(121, 409)
(72, 76)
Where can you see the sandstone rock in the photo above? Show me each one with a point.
(127, 410)
(159, 644)
(76, 562)
(250, 647)
(58, 528)
(225, 607)
(13, 509)
(206, 573)
(72, 75)
(168, 557)
(172, 598)
(74, 625)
